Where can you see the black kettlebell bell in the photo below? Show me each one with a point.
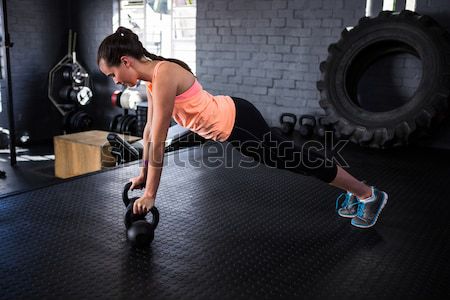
(322, 126)
(287, 126)
(307, 129)
(140, 233)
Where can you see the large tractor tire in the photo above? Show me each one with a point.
(372, 39)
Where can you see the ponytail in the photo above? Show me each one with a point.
(126, 42)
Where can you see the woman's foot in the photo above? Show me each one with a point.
(369, 209)
(349, 207)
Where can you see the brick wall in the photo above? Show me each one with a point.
(268, 51)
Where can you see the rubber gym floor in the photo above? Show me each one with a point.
(233, 233)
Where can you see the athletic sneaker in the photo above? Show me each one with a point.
(349, 207)
(369, 209)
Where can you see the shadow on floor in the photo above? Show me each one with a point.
(34, 169)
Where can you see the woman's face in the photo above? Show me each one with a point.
(122, 74)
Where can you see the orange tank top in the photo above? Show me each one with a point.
(211, 117)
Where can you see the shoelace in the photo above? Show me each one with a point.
(348, 196)
(360, 212)
(361, 206)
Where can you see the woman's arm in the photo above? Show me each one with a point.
(146, 134)
(164, 92)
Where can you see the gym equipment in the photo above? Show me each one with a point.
(84, 94)
(123, 150)
(287, 126)
(307, 129)
(139, 232)
(69, 84)
(115, 96)
(349, 58)
(67, 73)
(129, 217)
(77, 120)
(141, 115)
(124, 124)
(67, 92)
(73, 72)
(80, 94)
(322, 126)
(24, 139)
(178, 137)
(113, 123)
(121, 124)
(131, 124)
(4, 138)
(126, 99)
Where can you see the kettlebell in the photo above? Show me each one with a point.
(140, 233)
(307, 129)
(323, 126)
(287, 126)
(320, 128)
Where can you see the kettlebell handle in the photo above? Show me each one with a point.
(289, 115)
(155, 213)
(126, 200)
(308, 117)
(321, 119)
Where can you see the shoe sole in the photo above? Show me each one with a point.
(347, 216)
(379, 213)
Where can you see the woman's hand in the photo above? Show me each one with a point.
(143, 205)
(138, 182)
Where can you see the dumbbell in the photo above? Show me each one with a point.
(82, 121)
(130, 125)
(140, 233)
(80, 94)
(77, 120)
(113, 123)
(287, 126)
(117, 123)
(307, 129)
(73, 72)
(67, 73)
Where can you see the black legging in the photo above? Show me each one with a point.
(252, 137)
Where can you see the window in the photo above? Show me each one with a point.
(165, 27)
(392, 5)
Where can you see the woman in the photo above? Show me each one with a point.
(173, 91)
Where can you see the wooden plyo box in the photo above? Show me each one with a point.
(84, 152)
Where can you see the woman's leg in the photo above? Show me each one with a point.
(347, 182)
(250, 136)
